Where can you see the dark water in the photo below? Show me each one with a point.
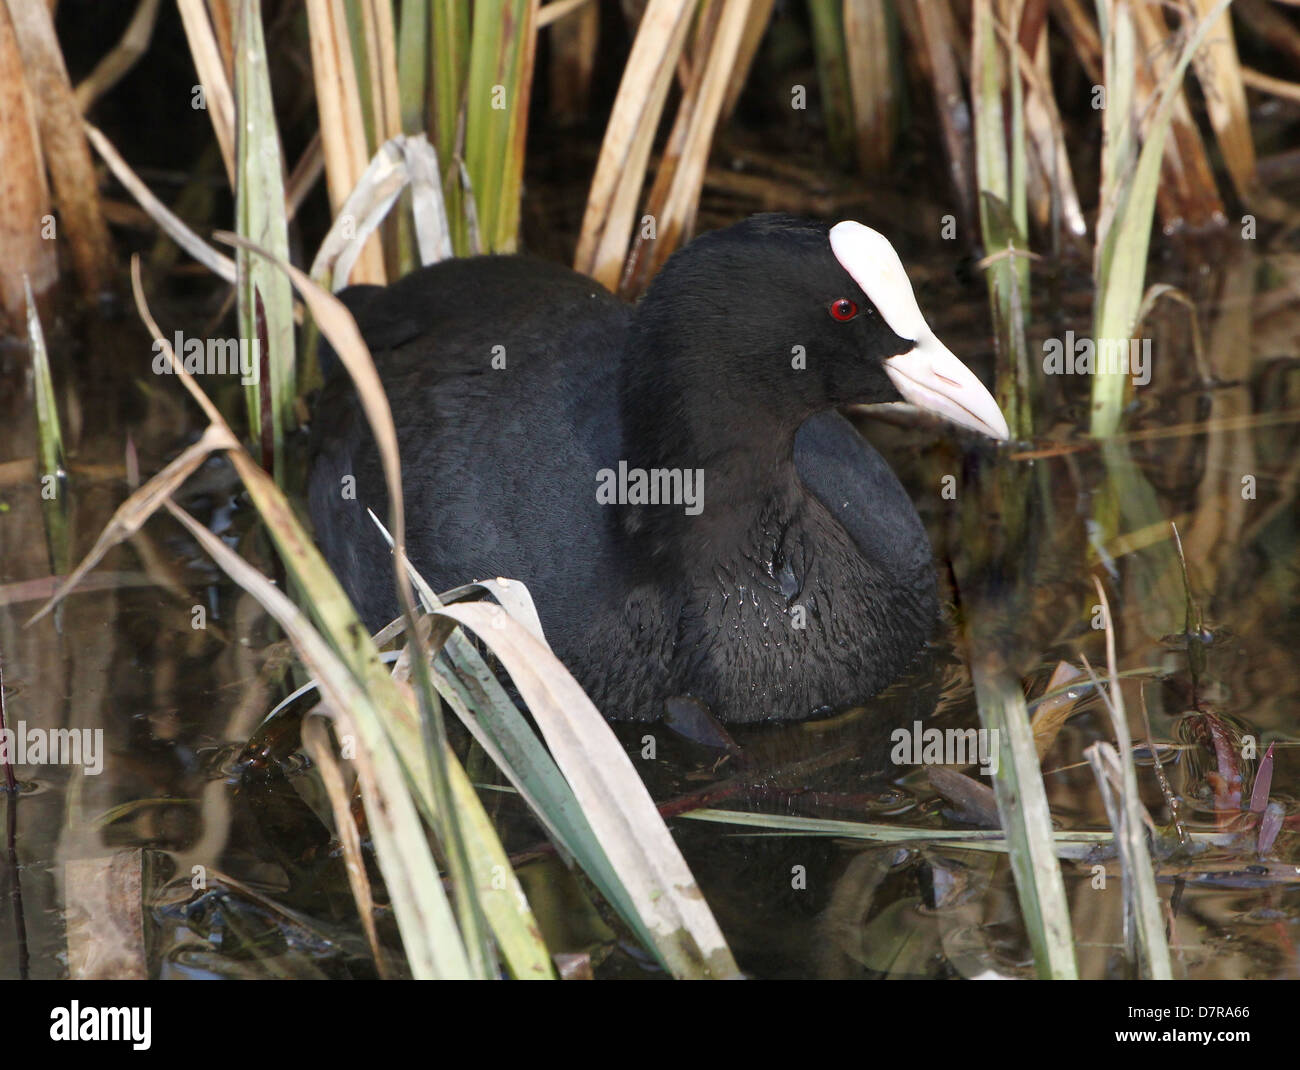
(239, 878)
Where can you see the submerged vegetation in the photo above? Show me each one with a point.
(1065, 135)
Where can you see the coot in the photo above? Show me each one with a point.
(672, 480)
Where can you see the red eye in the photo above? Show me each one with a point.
(843, 309)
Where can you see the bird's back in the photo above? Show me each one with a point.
(502, 376)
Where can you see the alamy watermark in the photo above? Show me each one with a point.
(652, 486)
(55, 746)
(75, 1022)
(211, 356)
(952, 746)
(1104, 356)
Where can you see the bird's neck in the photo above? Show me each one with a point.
(678, 432)
(677, 411)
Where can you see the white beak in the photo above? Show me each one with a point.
(933, 379)
(930, 376)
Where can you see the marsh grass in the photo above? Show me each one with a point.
(1114, 768)
(1130, 180)
(52, 465)
(421, 163)
(407, 789)
(265, 305)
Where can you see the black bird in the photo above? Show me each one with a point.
(671, 479)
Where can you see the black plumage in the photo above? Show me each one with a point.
(804, 584)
